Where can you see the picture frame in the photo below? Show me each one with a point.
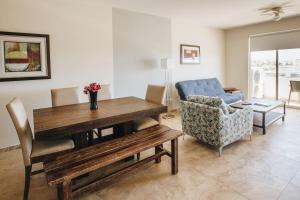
(189, 54)
(24, 56)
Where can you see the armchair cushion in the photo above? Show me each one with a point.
(211, 101)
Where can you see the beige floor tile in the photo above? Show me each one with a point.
(291, 192)
(268, 167)
(296, 179)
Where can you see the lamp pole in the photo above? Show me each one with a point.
(166, 65)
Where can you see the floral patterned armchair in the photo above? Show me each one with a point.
(214, 122)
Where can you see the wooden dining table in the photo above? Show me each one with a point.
(77, 120)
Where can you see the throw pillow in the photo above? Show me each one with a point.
(210, 101)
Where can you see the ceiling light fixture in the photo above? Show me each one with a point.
(275, 11)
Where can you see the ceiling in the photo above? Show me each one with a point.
(223, 14)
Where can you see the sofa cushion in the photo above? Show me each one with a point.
(231, 98)
(210, 101)
(205, 87)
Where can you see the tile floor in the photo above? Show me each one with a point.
(266, 168)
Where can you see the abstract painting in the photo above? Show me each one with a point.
(24, 56)
(189, 54)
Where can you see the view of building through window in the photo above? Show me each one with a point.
(264, 72)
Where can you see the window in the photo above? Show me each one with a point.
(271, 72)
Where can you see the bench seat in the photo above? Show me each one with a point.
(63, 169)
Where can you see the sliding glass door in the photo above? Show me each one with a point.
(271, 73)
(288, 70)
(263, 74)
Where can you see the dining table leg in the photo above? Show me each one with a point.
(121, 130)
(80, 140)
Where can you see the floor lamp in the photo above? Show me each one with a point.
(166, 65)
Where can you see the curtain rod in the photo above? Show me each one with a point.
(275, 33)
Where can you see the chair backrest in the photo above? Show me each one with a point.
(18, 115)
(105, 92)
(155, 93)
(295, 86)
(65, 96)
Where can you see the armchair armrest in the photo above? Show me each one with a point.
(201, 121)
(247, 111)
(236, 125)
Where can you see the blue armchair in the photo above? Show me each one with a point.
(206, 87)
(213, 122)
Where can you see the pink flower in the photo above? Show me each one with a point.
(93, 87)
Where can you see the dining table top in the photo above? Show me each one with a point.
(77, 118)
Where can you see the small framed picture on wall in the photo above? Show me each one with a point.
(24, 56)
(189, 54)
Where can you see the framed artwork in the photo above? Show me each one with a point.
(24, 56)
(189, 54)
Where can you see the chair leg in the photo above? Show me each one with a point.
(174, 158)
(220, 151)
(90, 137)
(290, 95)
(27, 182)
(99, 133)
(138, 156)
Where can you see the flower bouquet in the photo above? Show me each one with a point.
(92, 89)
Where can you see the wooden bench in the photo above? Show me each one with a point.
(64, 169)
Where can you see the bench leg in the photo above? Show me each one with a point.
(64, 191)
(174, 158)
(157, 150)
(121, 130)
(59, 192)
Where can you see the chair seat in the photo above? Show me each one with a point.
(46, 147)
(145, 123)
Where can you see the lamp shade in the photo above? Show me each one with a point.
(166, 63)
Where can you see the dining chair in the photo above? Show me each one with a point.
(65, 96)
(155, 94)
(105, 92)
(294, 87)
(34, 151)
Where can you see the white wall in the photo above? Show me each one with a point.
(140, 41)
(80, 44)
(237, 48)
(212, 53)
